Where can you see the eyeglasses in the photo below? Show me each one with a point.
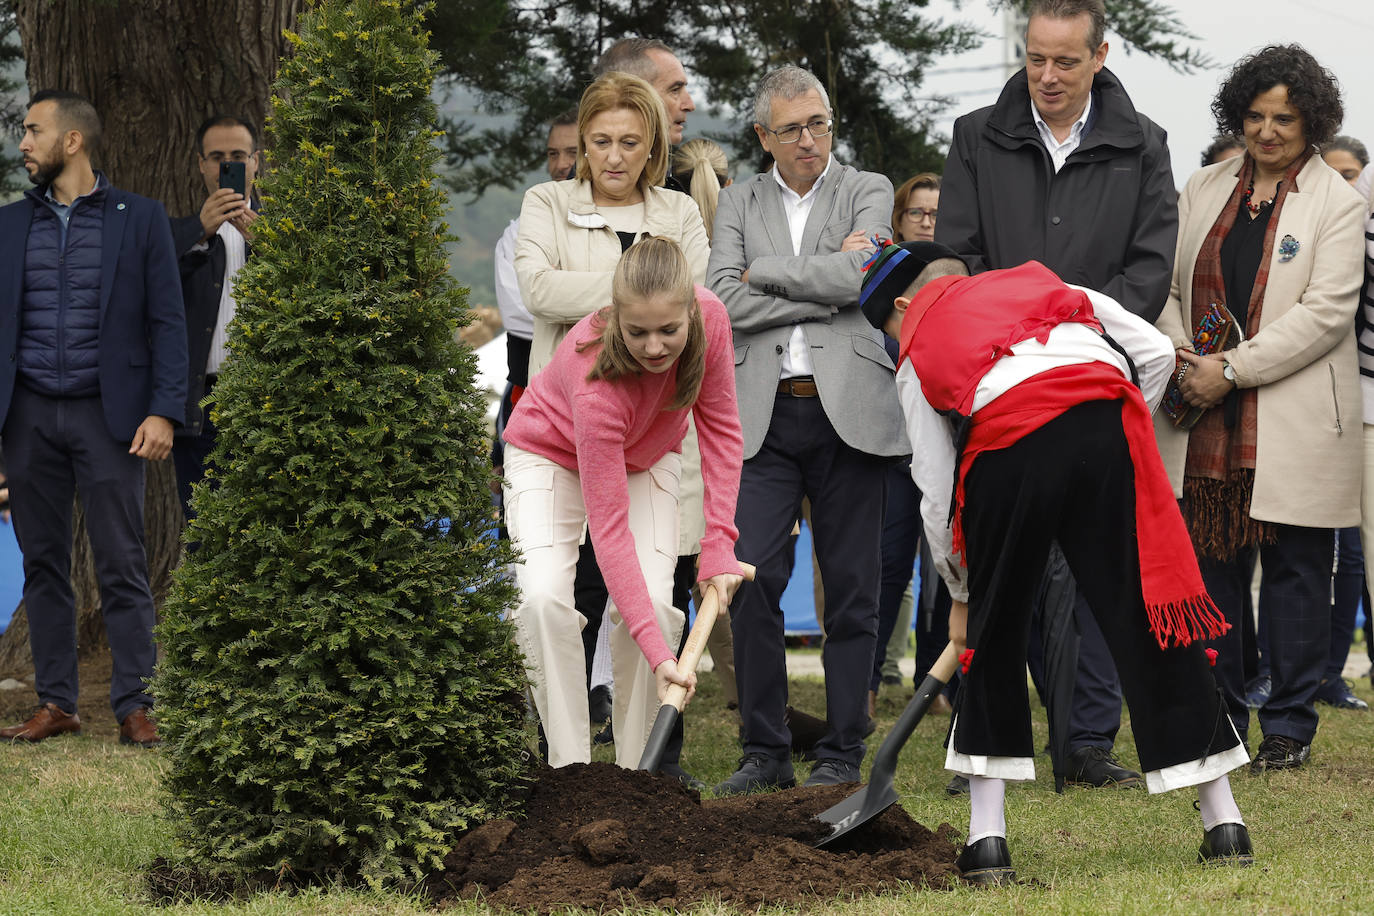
(818, 128)
(917, 214)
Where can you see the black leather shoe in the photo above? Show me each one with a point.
(986, 862)
(957, 786)
(605, 736)
(1280, 752)
(599, 704)
(759, 773)
(1336, 692)
(1226, 844)
(688, 781)
(1097, 768)
(831, 771)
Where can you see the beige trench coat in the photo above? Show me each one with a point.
(1309, 453)
(565, 256)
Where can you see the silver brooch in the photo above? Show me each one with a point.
(1288, 248)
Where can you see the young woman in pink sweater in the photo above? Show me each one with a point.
(596, 442)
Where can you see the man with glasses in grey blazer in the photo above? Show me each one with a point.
(820, 414)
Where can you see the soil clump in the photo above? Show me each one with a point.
(600, 837)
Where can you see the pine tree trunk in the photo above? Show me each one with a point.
(155, 69)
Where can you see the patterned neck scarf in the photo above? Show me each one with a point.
(1220, 474)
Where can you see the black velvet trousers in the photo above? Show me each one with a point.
(1072, 480)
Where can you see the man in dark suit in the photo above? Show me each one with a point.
(211, 247)
(92, 382)
(819, 409)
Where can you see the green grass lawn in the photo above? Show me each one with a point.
(81, 819)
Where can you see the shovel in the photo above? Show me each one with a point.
(876, 797)
(676, 697)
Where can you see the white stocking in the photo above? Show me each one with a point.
(987, 814)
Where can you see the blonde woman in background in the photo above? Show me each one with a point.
(572, 233)
(700, 166)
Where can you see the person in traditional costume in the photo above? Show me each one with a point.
(1027, 401)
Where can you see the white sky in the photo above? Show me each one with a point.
(1339, 33)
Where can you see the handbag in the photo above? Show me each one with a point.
(1217, 331)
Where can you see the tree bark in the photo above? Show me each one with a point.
(154, 69)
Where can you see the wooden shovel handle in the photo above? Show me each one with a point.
(696, 640)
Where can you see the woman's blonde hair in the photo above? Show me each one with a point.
(621, 90)
(700, 164)
(652, 267)
(924, 180)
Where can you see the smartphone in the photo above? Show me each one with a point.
(233, 175)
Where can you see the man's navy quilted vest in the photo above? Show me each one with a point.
(59, 328)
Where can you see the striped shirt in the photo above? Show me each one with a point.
(1364, 318)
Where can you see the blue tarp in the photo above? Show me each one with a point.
(798, 599)
(11, 575)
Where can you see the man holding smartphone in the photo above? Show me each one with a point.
(211, 247)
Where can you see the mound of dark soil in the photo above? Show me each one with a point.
(600, 837)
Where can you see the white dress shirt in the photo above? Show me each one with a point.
(1060, 151)
(796, 359)
(235, 254)
(514, 316)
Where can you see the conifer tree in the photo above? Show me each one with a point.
(339, 693)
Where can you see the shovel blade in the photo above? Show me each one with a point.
(879, 795)
(856, 810)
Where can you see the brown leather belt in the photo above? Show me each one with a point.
(803, 386)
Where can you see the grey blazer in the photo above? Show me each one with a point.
(820, 290)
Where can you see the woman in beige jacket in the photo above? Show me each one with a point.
(573, 232)
(1274, 464)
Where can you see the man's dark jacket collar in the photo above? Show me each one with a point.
(39, 193)
(1112, 122)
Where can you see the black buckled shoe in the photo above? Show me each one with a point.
(1280, 752)
(986, 862)
(1098, 768)
(758, 773)
(958, 785)
(1226, 844)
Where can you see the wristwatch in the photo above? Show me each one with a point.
(1228, 372)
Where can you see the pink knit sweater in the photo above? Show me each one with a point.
(605, 430)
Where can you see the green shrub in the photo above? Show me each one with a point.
(339, 693)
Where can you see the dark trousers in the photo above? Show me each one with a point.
(589, 597)
(1072, 481)
(932, 620)
(1095, 715)
(55, 448)
(901, 537)
(190, 456)
(1348, 589)
(1295, 601)
(802, 455)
